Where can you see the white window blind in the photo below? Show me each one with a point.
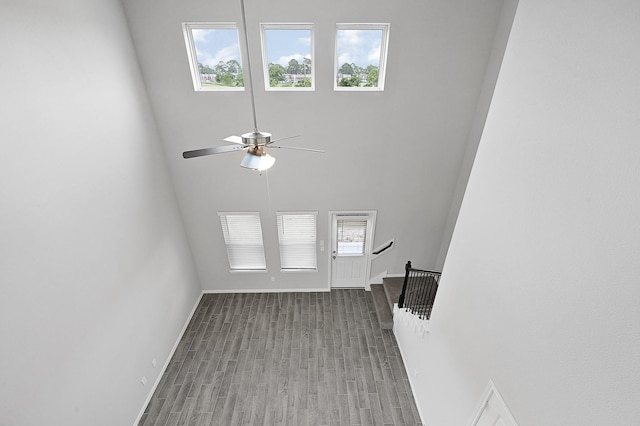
(351, 236)
(243, 237)
(297, 239)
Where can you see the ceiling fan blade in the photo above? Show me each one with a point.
(296, 148)
(234, 139)
(281, 139)
(212, 150)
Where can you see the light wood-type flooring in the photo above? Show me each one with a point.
(284, 359)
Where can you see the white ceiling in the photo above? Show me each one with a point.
(399, 152)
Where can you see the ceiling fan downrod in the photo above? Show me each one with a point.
(249, 80)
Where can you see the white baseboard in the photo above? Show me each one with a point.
(166, 363)
(269, 290)
(395, 275)
(377, 279)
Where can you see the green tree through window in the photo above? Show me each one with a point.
(214, 55)
(360, 56)
(288, 60)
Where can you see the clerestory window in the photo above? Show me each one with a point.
(214, 55)
(361, 56)
(287, 54)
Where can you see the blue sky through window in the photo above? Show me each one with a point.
(286, 44)
(215, 45)
(358, 46)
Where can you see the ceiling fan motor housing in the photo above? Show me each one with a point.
(256, 138)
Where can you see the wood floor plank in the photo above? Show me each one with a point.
(383, 397)
(187, 410)
(284, 359)
(160, 417)
(392, 387)
(228, 379)
(354, 406)
(363, 393)
(398, 418)
(181, 397)
(365, 417)
(343, 409)
(341, 376)
(376, 410)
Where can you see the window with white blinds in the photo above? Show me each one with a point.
(243, 238)
(351, 237)
(297, 239)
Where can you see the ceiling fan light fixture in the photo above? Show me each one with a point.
(260, 162)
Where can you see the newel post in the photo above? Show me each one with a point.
(407, 267)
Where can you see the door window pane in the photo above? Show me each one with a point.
(351, 235)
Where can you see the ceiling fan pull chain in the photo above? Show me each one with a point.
(266, 172)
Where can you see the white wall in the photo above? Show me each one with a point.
(96, 277)
(540, 287)
(500, 39)
(398, 152)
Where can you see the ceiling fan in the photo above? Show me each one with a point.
(256, 142)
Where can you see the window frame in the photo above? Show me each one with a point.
(192, 55)
(223, 216)
(384, 47)
(280, 215)
(265, 58)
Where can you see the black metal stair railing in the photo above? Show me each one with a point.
(419, 291)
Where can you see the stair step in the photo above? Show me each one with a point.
(385, 317)
(393, 289)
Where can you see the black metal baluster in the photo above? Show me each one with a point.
(413, 287)
(425, 292)
(419, 291)
(429, 298)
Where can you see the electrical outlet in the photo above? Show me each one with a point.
(273, 279)
(143, 380)
(154, 363)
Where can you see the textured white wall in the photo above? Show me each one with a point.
(540, 287)
(96, 277)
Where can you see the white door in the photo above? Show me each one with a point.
(493, 410)
(351, 237)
